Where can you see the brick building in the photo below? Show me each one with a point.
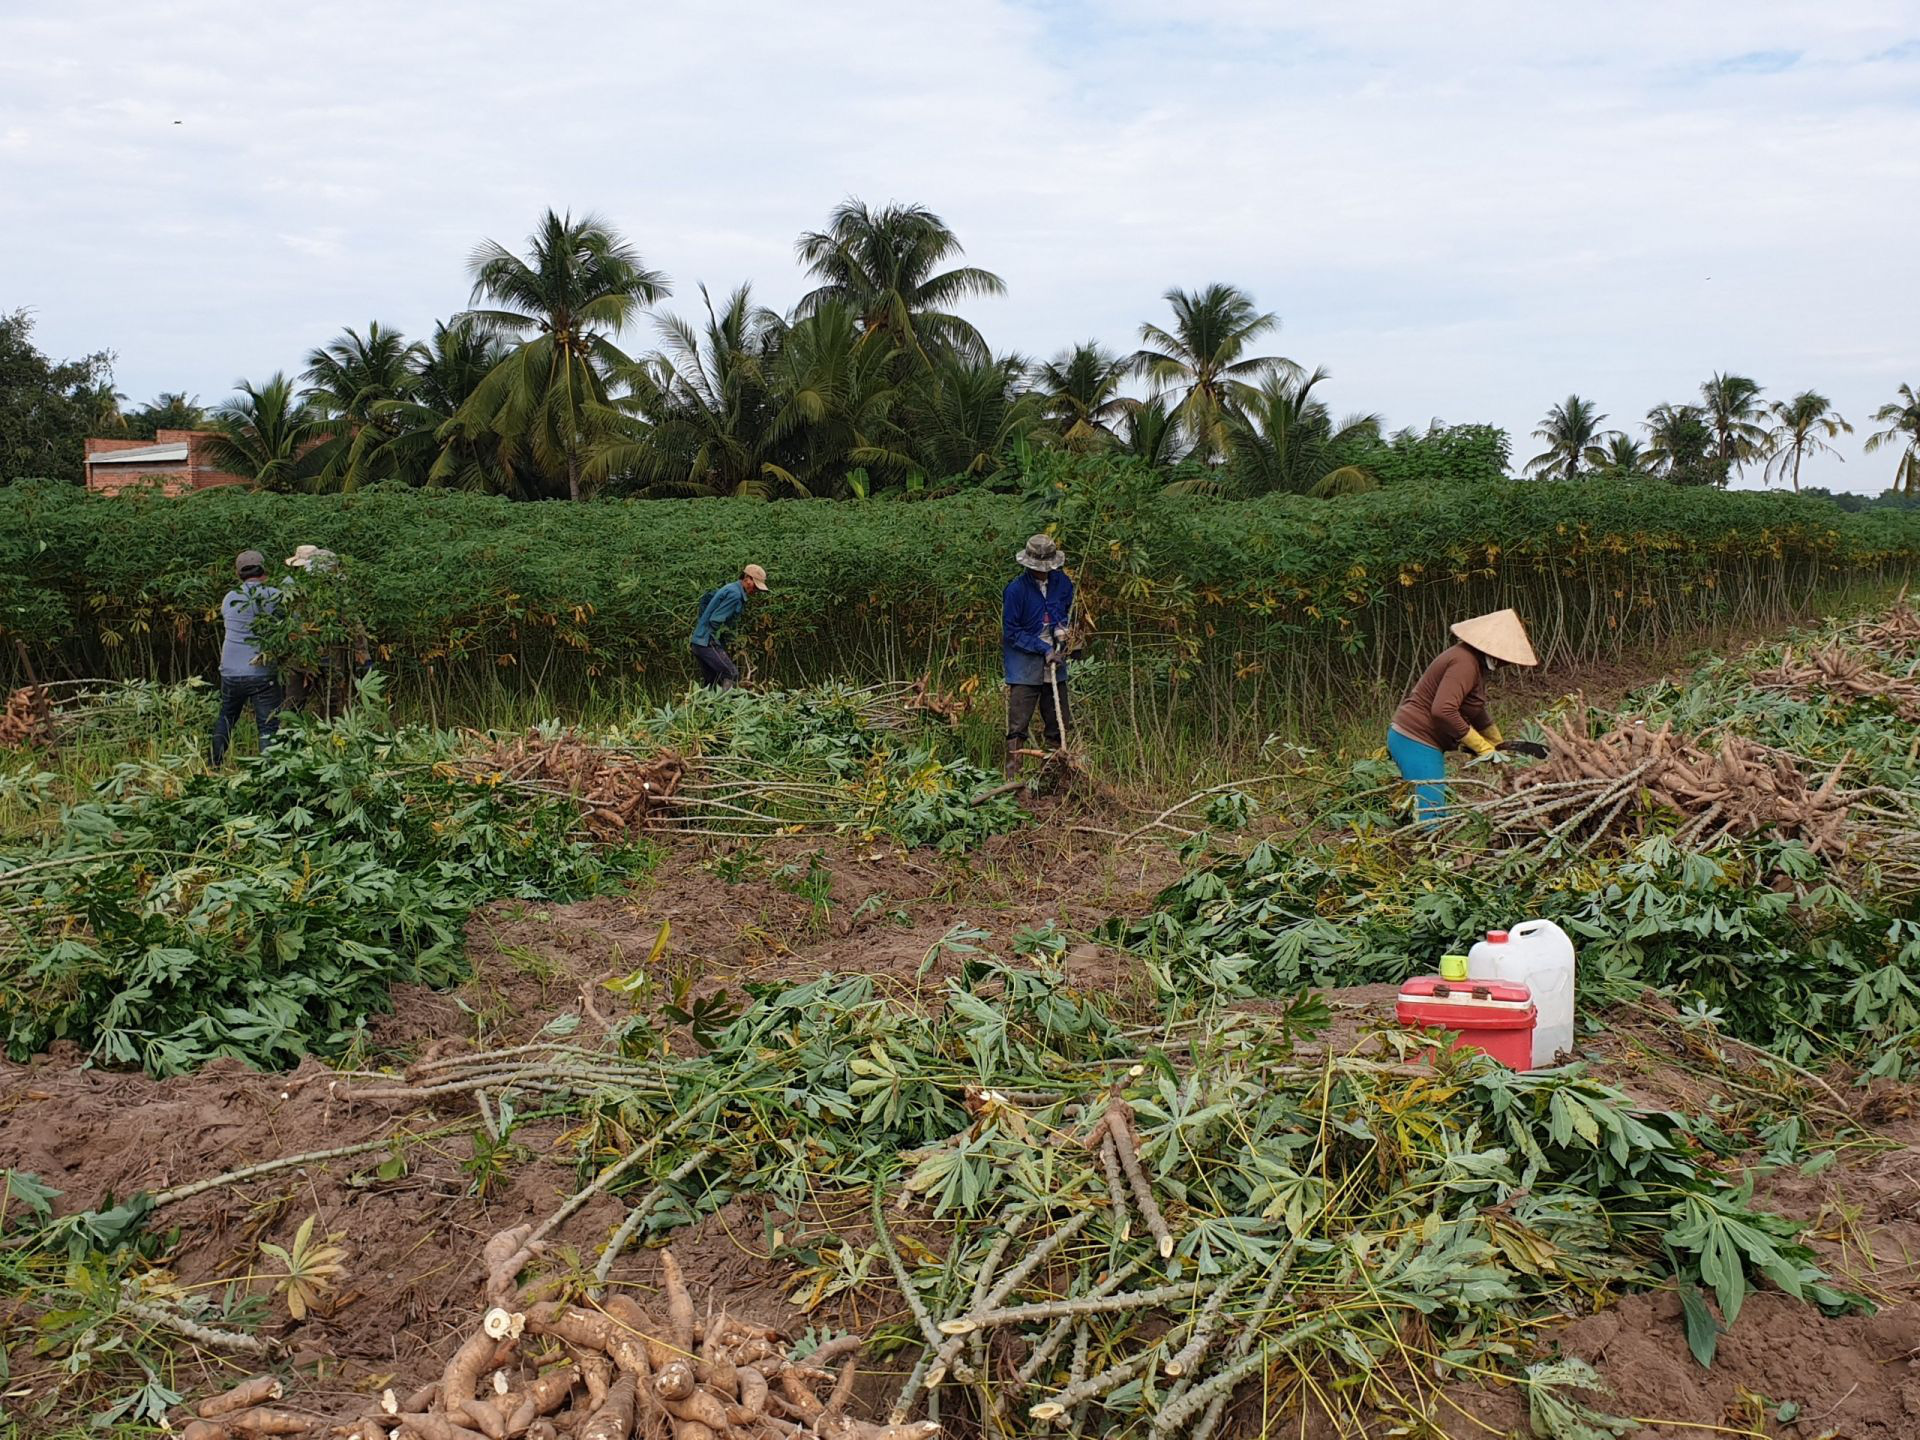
(173, 462)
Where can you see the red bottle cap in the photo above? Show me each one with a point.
(1496, 937)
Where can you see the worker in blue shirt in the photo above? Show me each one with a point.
(719, 608)
(1035, 617)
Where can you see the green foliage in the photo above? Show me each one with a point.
(1273, 601)
(47, 407)
(1814, 958)
(175, 916)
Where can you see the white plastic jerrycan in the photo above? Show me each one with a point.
(1538, 954)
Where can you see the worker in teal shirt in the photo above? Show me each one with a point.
(718, 610)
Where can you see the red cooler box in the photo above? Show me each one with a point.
(1495, 1016)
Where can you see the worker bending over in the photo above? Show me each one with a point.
(719, 608)
(1447, 708)
(1036, 614)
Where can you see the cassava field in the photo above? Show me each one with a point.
(537, 1048)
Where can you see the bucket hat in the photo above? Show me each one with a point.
(311, 557)
(249, 560)
(1499, 635)
(1042, 552)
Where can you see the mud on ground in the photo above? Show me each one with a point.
(413, 1239)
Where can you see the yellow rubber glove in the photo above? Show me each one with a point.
(1476, 742)
(1492, 732)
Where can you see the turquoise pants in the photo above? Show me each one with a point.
(1426, 769)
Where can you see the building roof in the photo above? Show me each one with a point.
(145, 455)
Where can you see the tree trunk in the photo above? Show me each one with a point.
(1796, 469)
(573, 477)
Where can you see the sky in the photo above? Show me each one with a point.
(1464, 212)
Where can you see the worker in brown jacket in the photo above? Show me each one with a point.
(1447, 708)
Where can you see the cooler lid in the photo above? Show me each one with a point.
(1467, 992)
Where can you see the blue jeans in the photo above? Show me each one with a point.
(1426, 768)
(716, 667)
(237, 692)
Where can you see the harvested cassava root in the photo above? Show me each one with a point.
(28, 718)
(1594, 786)
(617, 1371)
(619, 794)
(1836, 672)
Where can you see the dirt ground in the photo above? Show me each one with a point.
(413, 1239)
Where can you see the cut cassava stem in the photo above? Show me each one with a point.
(192, 1330)
(639, 1212)
(1116, 1184)
(958, 1331)
(928, 1330)
(1055, 1337)
(1204, 1326)
(1091, 1305)
(314, 1157)
(1126, 1140)
(1093, 1386)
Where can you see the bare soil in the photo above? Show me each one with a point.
(792, 910)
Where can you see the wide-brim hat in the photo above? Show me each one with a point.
(1500, 635)
(1042, 552)
(305, 557)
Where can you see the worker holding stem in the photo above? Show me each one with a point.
(1036, 615)
(1447, 708)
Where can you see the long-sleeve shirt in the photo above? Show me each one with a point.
(239, 652)
(1447, 700)
(718, 613)
(1029, 617)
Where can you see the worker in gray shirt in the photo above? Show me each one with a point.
(245, 678)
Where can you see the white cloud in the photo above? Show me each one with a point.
(1463, 211)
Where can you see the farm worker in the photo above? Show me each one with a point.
(245, 678)
(1447, 707)
(718, 610)
(1034, 637)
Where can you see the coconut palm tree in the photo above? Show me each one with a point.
(1079, 395)
(885, 266)
(1286, 441)
(838, 390)
(267, 435)
(1799, 424)
(1902, 419)
(446, 371)
(967, 414)
(1731, 406)
(1680, 445)
(1204, 360)
(169, 410)
(1149, 432)
(580, 285)
(1570, 429)
(710, 423)
(1619, 456)
(347, 381)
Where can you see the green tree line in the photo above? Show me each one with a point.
(1730, 427)
(873, 382)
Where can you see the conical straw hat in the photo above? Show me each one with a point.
(1500, 635)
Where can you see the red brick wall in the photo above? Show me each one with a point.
(198, 472)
